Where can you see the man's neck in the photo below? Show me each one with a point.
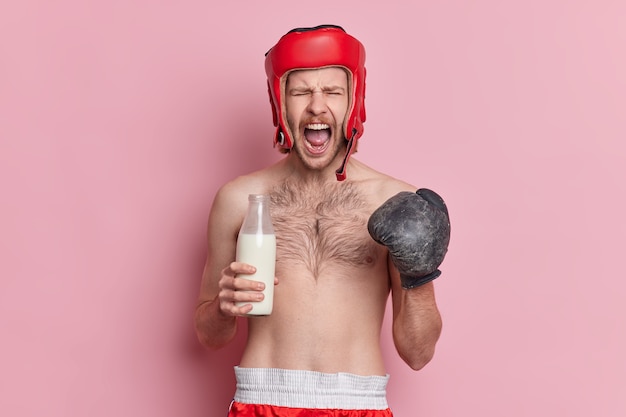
(297, 170)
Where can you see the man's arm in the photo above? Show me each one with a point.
(416, 321)
(216, 312)
(415, 228)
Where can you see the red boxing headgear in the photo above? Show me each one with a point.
(310, 48)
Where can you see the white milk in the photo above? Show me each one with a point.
(260, 252)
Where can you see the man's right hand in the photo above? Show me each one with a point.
(236, 292)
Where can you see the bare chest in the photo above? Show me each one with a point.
(319, 227)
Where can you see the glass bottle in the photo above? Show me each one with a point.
(256, 245)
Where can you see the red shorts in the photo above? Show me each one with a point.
(269, 392)
(261, 410)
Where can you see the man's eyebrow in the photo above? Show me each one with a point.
(333, 88)
(300, 88)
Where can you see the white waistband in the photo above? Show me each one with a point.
(310, 389)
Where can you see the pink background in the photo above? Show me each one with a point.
(120, 119)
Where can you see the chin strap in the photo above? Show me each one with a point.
(341, 172)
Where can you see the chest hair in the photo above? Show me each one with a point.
(321, 226)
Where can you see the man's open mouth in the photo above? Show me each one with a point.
(317, 137)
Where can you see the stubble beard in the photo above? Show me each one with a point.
(320, 164)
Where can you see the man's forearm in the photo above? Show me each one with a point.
(416, 328)
(213, 328)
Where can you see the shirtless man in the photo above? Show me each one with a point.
(319, 349)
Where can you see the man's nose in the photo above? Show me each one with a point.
(317, 104)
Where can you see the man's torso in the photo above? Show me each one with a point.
(333, 282)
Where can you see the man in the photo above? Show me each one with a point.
(344, 243)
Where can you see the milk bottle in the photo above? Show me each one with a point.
(256, 245)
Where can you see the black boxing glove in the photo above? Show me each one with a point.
(415, 227)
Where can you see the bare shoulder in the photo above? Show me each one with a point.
(232, 198)
(378, 186)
